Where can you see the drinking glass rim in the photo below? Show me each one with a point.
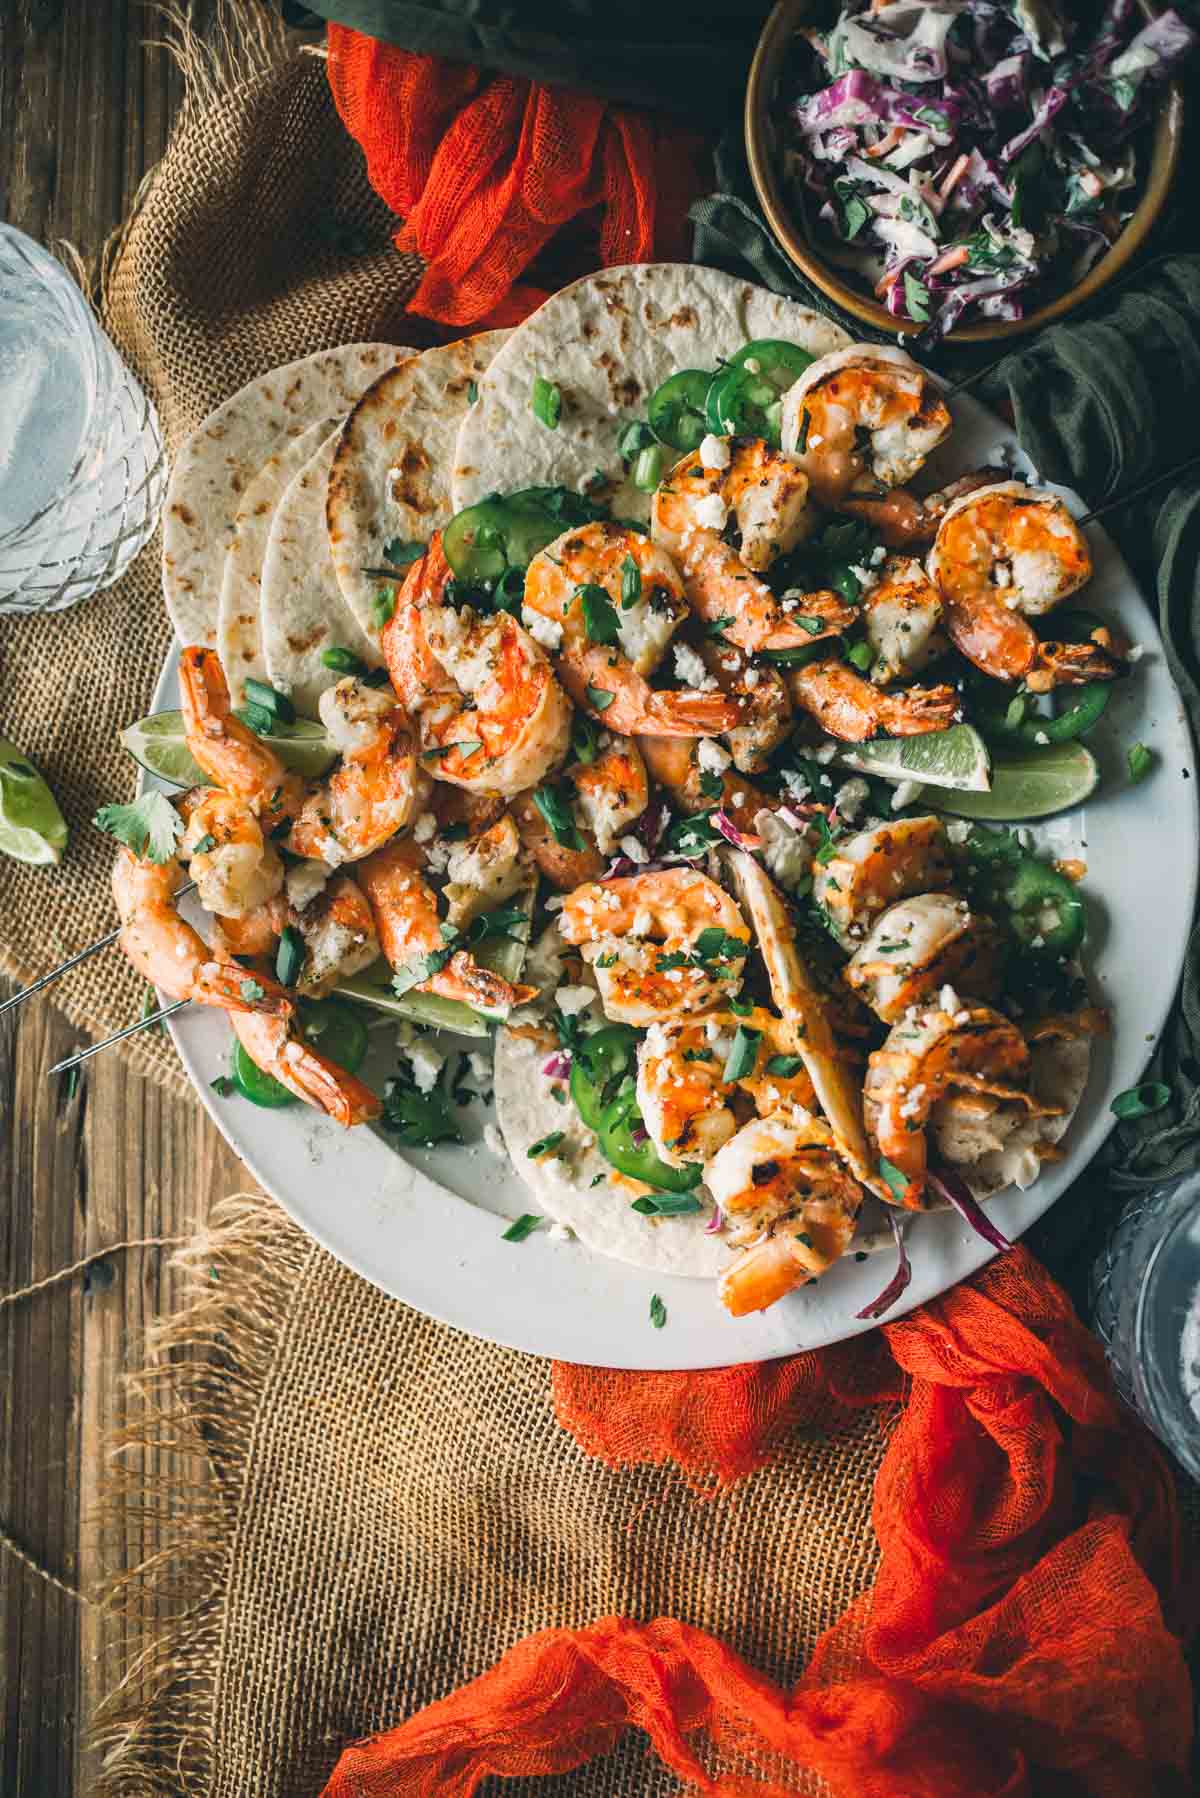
(99, 385)
(1149, 1382)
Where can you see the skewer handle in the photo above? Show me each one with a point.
(156, 1017)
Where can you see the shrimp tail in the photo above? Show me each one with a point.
(1072, 664)
(309, 1075)
(464, 979)
(682, 712)
(915, 710)
(237, 989)
(760, 1277)
(824, 608)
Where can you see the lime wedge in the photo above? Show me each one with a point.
(32, 829)
(1031, 784)
(504, 955)
(957, 758)
(157, 744)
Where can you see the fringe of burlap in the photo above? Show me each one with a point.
(193, 1404)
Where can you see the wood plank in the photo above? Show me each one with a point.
(87, 106)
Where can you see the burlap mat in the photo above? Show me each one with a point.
(257, 239)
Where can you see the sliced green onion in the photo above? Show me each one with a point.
(860, 655)
(546, 402)
(599, 698)
(897, 1182)
(289, 958)
(342, 661)
(522, 1227)
(784, 1066)
(382, 607)
(633, 438)
(743, 1054)
(256, 718)
(658, 1312)
(545, 1145)
(270, 699)
(647, 470)
(1141, 760)
(631, 583)
(402, 552)
(1141, 1101)
(667, 1204)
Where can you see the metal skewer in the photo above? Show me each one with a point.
(1127, 499)
(64, 967)
(155, 1017)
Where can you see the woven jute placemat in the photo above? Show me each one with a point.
(369, 1508)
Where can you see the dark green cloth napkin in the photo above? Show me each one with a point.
(685, 59)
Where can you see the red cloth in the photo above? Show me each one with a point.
(1014, 1645)
(486, 169)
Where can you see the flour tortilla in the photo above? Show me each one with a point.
(607, 342)
(220, 459)
(302, 611)
(601, 1216)
(239, 637)
(391, 473)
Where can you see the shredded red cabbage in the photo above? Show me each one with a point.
(558, 1066)
(741, 839)
(898, 1283)
(716, 1222)
(978, 128)
(954, 1189)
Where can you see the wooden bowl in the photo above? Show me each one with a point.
(765, 70)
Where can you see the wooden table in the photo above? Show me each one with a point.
(85, 109)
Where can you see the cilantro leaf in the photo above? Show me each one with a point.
(916, 298)
(151, 826)
(521, 1227)
(599, 615)
(417, 1119)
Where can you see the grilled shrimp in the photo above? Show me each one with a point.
(725, 525)
(614, 600)
(376, 788)
(870, 871)
(1002, 556)
(862, 420)
(168, 953)
(920, 945)
(277, 1046)
(951, 1053)
(236, 868)
(564, 866)
(228, 750)
(405, 910)
(661, 946)
(490, 713)
(687, 771)
(790, 1207)
(903, 521)
(902, 616)
(336, 926)
(767, 710)
(683, 1096)
(852, 709)
(608, 795)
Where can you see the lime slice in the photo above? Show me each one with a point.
(957, 758)
(1031, 784)
(157, 744)
(32, 829)
(502, 954)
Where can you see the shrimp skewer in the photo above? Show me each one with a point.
(228, 750)
(662, 945)
(490, 713)
(615, 600)
(862, 420)
(683, 1097)
(921, 945)
(1002, 556)
(277, 1046)
(850, 708)
(168, 953)
(905, 522)
(972, 1053)
(235, 867)
(789, 1203)
(405, 911)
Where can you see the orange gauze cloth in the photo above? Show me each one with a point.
(486, 169)
(1019, 1641)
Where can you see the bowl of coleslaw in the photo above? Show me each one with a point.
(975, 167)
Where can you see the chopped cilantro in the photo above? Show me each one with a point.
(151, 826)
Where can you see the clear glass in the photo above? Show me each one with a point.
(82, 471)
(1146, 1308)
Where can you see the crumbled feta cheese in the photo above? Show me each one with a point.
(494, 1141)
(752, 365)
(714, 452)
(1040, 737)
(480, 1066)
(634, 849)
(816, 440)
(305, 881)
(959, 829)
(852, 797)
(825, 752)
(751, 679)
(560, 1233)
(906, 793)
(1135, 652)
(425, 828)
(948, 1000)
(426, 1063)
(643, 923)
(543, 630)
(798, 788)
(878, 555)
(712, 757)
(787, 853)
(573, 999)
(437, 856)
(711, 512)
(556, 901)
(691, 670)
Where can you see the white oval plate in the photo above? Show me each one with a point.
(426, 1225)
